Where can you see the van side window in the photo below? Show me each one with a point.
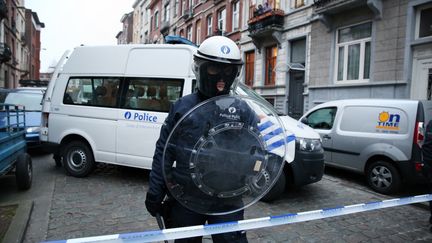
(100, 91)
(322, 118)
(151, 94)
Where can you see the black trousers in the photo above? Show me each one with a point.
(182, 217)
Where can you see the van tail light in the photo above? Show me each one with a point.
(418, 166)
(419, 134)
(45, 116)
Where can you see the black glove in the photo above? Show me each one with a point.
(153, 204)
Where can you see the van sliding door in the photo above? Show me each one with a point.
(144, 106)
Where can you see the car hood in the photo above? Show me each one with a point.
(299, 129)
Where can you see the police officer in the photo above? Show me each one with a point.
(427, 161)
(217, 63)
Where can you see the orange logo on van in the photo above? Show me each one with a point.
(388, 121)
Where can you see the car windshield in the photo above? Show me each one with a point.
(242, 89)
(30, 100)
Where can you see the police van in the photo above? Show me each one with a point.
(107, 104)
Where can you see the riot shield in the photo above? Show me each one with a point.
(224, 154)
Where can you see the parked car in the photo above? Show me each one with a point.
(31, 98)
(380, 138)
(308, 164)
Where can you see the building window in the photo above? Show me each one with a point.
(176, 4)
(424, 22)
(353, 52)
(270, 60)
(182, 33)
(198, 32)
(166, 13)
(209, 25)
(221, 20)
(184, 6)
(151, 23)
(235, 15)
(297, 3)
(189, 32)
(156, 20)
(250, 68)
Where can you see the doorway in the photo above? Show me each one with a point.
(421, 87)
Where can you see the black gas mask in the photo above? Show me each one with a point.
(215, 78)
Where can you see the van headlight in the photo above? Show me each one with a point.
(33, 129)
(308, 145)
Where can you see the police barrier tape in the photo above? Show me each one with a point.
(248, 224)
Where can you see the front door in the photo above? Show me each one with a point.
(295, 96)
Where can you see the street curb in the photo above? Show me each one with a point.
(18, 226)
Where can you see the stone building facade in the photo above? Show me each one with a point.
(371, 49)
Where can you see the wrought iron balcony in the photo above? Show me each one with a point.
(273, 19)
(266, 25)
(3, 9)
(5, 53)
(187, 14)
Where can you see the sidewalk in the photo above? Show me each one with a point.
(14, 220)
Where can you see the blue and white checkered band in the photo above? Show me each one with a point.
(225, 49)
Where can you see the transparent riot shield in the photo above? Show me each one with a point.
(224, 154)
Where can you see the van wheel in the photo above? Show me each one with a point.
(383, 177)
(277, 189)
(77, 159)
(24, 171)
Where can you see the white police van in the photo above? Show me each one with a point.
(107, 104)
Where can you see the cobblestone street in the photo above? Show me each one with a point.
(111, 200)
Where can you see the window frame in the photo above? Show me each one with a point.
(362, 56)
(156, 20)
(249, 68)
(268, 59)
(221, 18)
(209, 22)
(189, 32)
(417, 21)
(235, 24)
(322, 127)
(198, 32)
(94, 86)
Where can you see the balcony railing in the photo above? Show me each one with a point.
(187, 14)
(266, 25)
(5, 53)
(273, 19)
(3, 9)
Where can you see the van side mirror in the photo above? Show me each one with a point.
(304, 120)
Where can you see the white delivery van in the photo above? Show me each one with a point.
(380, 138)
(107, 104)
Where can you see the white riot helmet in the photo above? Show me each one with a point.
(217, 63)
